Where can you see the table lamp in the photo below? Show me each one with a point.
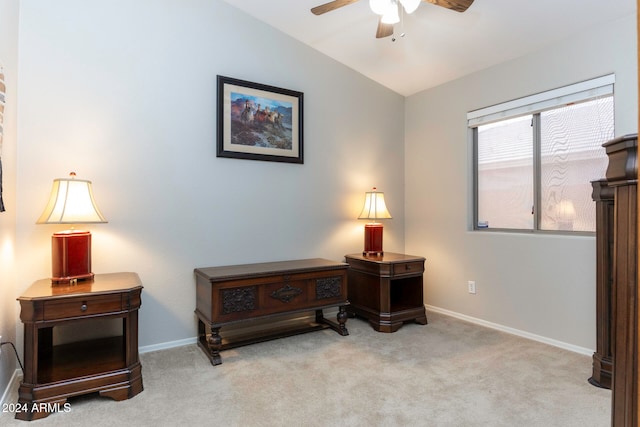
(71, 202)
(374, 209)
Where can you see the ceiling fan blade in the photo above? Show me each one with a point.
(332, 5)
(384, 30)
(457, 5)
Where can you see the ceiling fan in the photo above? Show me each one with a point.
(388, 10)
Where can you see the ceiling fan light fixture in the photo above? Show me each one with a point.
(379, 7)
(410, 6)
(391, 15)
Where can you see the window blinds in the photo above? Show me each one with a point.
(589, 89)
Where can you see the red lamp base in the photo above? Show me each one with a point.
(373, 239)
(70, 256)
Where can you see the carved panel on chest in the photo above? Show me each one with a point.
(287, 292)
(238, 299)
(329, 287)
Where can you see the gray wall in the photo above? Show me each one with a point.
(8, 313)
(540, 285)
(123, 93)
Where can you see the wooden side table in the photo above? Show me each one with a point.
(53, 372)
(387, 289)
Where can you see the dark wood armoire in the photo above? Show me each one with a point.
(615, 362)
(603, 356)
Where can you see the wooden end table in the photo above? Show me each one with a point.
(387, 289)
(110, 366)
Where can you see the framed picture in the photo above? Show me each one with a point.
(258, 122)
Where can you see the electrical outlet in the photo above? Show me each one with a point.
(472, 286)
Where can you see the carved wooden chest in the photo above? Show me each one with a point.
(267, 292)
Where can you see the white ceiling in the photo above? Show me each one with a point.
(440, 45)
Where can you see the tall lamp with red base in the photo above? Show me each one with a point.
(374, 209)
(71, 202)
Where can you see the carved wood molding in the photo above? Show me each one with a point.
(286, 293)
(329, 287)
(238, 299)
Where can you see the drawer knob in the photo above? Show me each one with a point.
(83, 307)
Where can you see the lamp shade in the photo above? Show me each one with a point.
(71, 202)
(374, 206)
(565, 210)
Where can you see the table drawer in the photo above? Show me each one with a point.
(405, 268)
(78, 307)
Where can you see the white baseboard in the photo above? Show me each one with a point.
(512, 331)
(13, 382)
(250, 325)
(166, 345)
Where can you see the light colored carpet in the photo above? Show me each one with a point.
(447, 373)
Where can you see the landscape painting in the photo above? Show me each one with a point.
(259, 122)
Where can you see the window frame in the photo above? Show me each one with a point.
(533, 105)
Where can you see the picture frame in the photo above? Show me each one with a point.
(258, 122)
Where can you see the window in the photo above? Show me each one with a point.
(535, 158)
